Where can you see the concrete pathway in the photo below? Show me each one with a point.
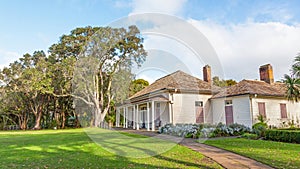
(225, 158)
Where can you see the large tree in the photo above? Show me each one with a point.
(108, 52)
(36, 90)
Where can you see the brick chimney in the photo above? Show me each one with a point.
(207, 73)
(266, 73)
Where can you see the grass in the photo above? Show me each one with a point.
(275, 154)
(75, 149)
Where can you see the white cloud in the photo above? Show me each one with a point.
(7, 57)
(242, 48)
(171, 7)
(272, 12)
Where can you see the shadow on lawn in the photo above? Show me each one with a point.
(137, 146)
(67, 150)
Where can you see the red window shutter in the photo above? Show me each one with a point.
(262, 109)
(283, 111)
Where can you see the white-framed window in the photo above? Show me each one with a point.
(228, 102)
(199, 103)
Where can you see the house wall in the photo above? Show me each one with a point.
(273, 113)
(241, 110)
(184, 108)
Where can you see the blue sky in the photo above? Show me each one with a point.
(244, 33)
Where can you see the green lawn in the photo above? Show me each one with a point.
(74, 149)
(276, 154)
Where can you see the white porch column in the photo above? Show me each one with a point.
(171, 113)
(133, 117)
(152, 111)
(118, 118)
(124, 117)
(137, 117)
(126, 110)
(148, 117)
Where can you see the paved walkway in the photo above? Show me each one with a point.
(224, 158)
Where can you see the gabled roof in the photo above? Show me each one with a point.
(253, 87)
(178, 80)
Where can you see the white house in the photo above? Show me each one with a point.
(182, 98)
(243, 102)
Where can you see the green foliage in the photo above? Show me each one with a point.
(293, 82)
(289, 136)
(223, 83)
(260, 129)
(296, 66)
(293, 88)
(36, 90)
(137, 85)
(261, 118)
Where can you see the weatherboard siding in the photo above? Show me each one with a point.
(273, 112)
(241, 110)
(184, 107)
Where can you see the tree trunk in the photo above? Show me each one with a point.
(38, 117)
(98, 118)
(23, 121)
(63, 119)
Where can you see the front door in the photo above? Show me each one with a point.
(229, 114)
(199, 112)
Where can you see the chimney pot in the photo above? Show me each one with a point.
(266, 73)
(207, 73)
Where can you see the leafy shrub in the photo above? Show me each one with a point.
(203, 130)
(260, 129)
(290, 136)
(239, 129)
(250, 136)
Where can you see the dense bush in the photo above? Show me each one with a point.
(260, 129)
(290, 136)
(204, 130)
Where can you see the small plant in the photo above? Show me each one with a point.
(261, 127)
(292, 124)
(261, 118)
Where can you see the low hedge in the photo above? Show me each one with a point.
(289, 136)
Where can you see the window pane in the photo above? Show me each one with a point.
(198, 103)
(228, 102)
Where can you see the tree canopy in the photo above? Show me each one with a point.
(223, 83)
(39, 90)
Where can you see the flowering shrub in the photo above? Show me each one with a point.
(181, 130)
(204, 130)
